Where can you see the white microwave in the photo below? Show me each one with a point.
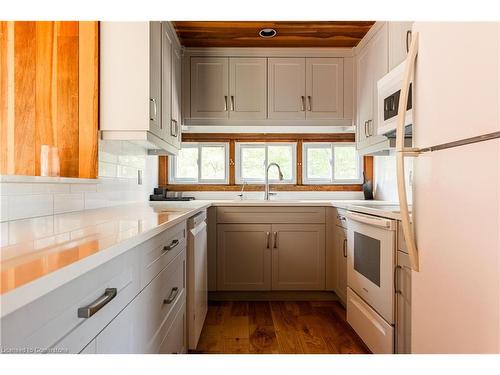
(388, 91)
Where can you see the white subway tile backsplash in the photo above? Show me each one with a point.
(7, 188)
(95, 200)
(108, 169)
(83, 188)
(25, 206)
(68, 202)
(4, 208)
(4, 234)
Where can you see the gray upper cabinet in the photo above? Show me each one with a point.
(399, 42)
(324, 88)
(247, 88)
(155, 83)
(166, 83)
(209, 87)
(286, 88)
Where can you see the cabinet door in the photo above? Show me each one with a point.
(118, 336)
(175, 341)
(341, 262)
(209, 87)
(166, 83)
(286, 88)
(155, 77)
(403, 304)
(399, 36)
(298, 258)
(175, 125)
(243, 257)
(247, 88)
(324, 88)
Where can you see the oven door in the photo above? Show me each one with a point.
(370, 261)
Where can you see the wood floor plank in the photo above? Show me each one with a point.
(284, 327)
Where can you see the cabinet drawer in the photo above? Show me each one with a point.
(155, 255)
(154, 313)
(340, 218)
(376, 333)
(176, 337)
(51, 323)
(274, 215)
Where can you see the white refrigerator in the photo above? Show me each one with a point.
(456, 188)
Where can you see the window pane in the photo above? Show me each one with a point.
(283, 156)
(213, 162)
(318, 163)
(346, 166)
(252, 162)
(187, 163)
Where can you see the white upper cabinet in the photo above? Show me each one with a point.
(399, 42)
(135, 83)
(247, 88)
(175, 125)
(324, 88)
(209, 87)
(286, 88)
(372, 64)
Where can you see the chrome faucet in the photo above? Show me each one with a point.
(266, 191)
(242, 189)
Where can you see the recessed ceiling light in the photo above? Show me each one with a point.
(267, 33)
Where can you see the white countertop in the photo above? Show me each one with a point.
(47, 252)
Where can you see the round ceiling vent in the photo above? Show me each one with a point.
(267, 33)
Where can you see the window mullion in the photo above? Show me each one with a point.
(332, 161)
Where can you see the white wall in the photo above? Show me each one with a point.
(384, 170)
(24, 197)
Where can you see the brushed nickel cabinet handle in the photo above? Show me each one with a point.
(268, 237)
(275, 241)
(408, 39)
(173, 244)
(396, 269)
(232, 103)
(309, 103)
(366, 131)
(173, 128)
(171, 297)
(89, 310)
(303, 101)
(344, 249)
(225, 102)
(155, 109)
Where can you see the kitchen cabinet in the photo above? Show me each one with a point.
(228, 88)
(137, 84)
(399, 42)
(209, 87)
(287, 88)
(298, 257)
(244, 257)
(372, 64)
(340, 240)
(264, 248)
(324, 88)
(175, 125)
(403, 303)
(247, 88)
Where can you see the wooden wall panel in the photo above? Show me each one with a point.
(45, 94)
(53, 77)
(67, 97)
(24, 104)
(88, 98)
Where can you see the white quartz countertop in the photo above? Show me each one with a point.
(46, 252)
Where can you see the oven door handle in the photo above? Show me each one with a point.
(372, 220)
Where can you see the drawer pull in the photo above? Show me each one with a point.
(171, 297)
(173, 244)
(88, 311)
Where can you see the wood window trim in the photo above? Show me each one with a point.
(254, 137)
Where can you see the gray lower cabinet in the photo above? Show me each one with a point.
(244, 257)
(298, 257)
(263, 257)
(340, 239)
(403, 304)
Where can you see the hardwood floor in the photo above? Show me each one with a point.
(273, 327)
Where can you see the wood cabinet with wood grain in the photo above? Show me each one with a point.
(49, 95)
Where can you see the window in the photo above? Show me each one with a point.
(200, 163)
(252, 159)
(331, 163)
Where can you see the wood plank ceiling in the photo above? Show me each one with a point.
(289, 34)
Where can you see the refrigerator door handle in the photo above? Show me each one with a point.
(408, 232)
